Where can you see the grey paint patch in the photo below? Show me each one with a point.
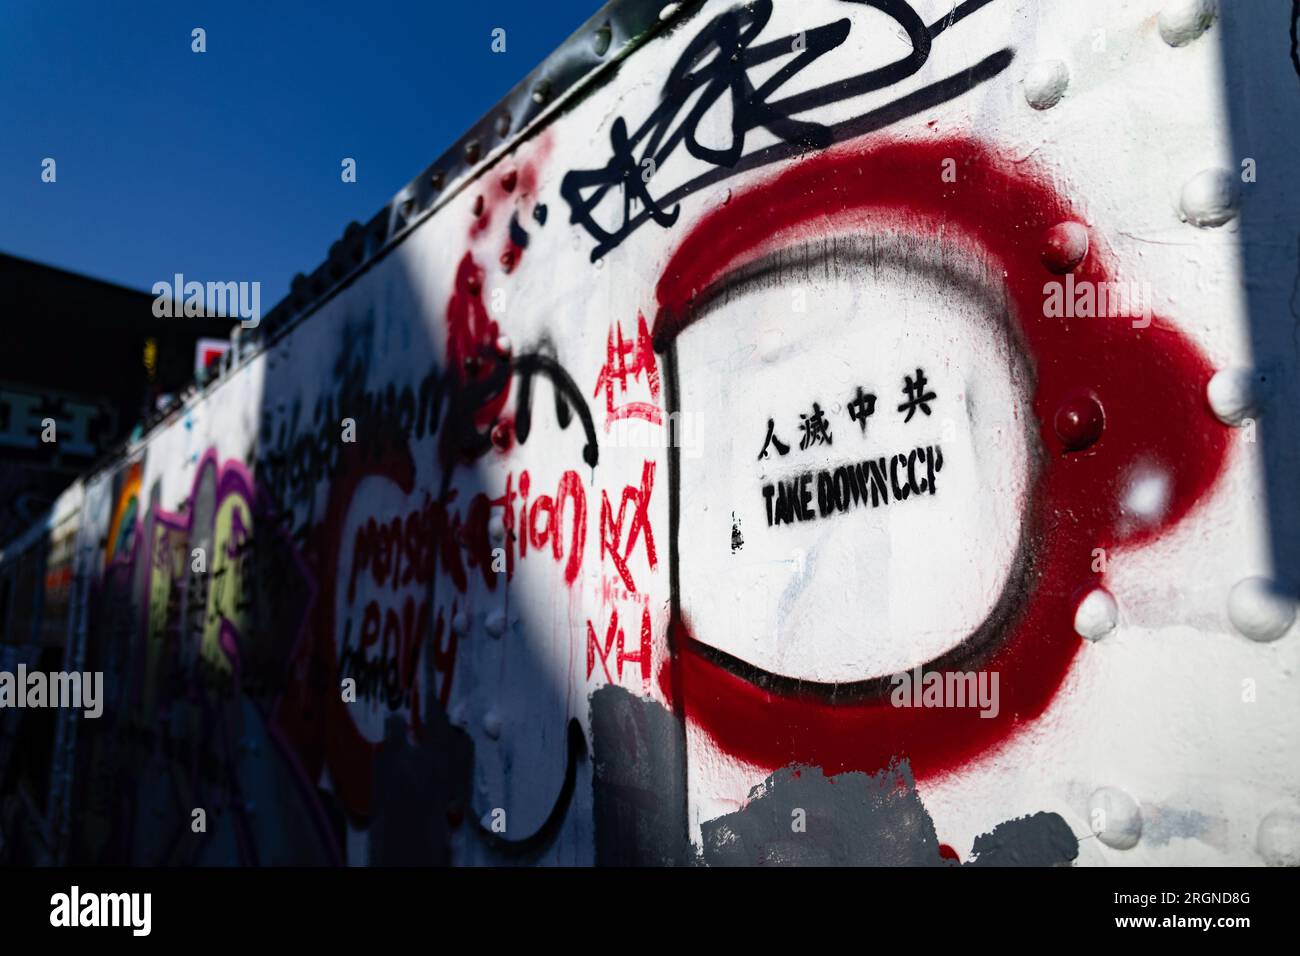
(801, 817)
(853, 819)
(638, 784)
(1041, 839)
(798, 816)
(1161, 824)
(419, 793)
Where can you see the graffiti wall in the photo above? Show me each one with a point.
(848, 432)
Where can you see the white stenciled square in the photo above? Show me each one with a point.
(879, 448)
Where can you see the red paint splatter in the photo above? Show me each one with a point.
(1150, 380)
(511, 193)
(472, 337)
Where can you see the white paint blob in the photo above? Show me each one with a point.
(1182, 21)
(1115, 818)
(1278, 839)
(1045, 83)
(1147, 497)
(769, 345)
(1233, 395)
(1096, 615)
(858, 587)
(1209, 198)
(1258, 611)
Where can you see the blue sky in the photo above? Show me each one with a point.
(225, 165)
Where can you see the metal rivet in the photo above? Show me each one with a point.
(1278, 839)
(1045, 84)
(600, 42)
(496, 623)
(472, 151)
(492, 724)
(1183, 21)
(542, 92)
(1096, 615)
(1258, 610)
(1065, 247)
(1233, 395)
(1116, 818)
(504, 122)
(438, 179)
(1079, 421)
(1209, 198)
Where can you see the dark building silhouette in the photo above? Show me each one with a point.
(92, 357)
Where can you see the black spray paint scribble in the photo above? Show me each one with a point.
(295, 456)
(718, 62)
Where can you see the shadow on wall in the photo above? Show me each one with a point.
(362, 669)
(1263, 104)
(352, 539)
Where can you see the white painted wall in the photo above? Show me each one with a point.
(1175, 707)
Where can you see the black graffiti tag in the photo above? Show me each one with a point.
(717, 63)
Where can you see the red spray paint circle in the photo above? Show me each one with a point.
(1149, 378)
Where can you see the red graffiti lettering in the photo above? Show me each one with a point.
(611, 530)
(541, 521)
(614, 639)
(617, 370)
